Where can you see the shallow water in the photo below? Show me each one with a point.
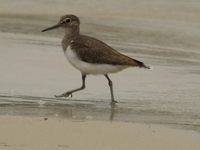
(161, 34)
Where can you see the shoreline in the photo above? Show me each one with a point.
(55, 133)
(157, 109)
(34, 69)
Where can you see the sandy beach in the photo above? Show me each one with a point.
(26, 133)
(157, 109)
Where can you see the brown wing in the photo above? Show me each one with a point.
(92, 50)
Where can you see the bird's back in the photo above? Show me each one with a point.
(94, 51)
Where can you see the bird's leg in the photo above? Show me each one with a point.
(111, 89)
(66, 94)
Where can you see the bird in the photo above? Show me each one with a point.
(90, 55)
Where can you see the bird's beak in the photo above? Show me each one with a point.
(51, 28)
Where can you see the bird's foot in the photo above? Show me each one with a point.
(64, 95)
(113, 103)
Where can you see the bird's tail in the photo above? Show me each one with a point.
(141, 64)
(145, 66)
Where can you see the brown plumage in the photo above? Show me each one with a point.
(94, 51)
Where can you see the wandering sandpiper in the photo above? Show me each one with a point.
(90, 55)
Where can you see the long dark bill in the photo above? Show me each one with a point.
(50, 28)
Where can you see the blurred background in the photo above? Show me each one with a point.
(166, 23)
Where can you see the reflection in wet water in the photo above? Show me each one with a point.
(112, 111)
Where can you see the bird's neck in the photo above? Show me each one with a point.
(70, 34)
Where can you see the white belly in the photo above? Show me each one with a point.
(88, 68)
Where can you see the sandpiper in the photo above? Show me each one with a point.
(90, 55)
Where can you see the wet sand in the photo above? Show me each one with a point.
(22, 133)
(33, 69)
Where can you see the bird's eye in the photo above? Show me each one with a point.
(68, 20)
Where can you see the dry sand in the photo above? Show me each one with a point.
(25, 133)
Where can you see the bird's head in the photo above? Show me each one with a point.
(66, 22)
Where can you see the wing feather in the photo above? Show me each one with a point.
(95, 51)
